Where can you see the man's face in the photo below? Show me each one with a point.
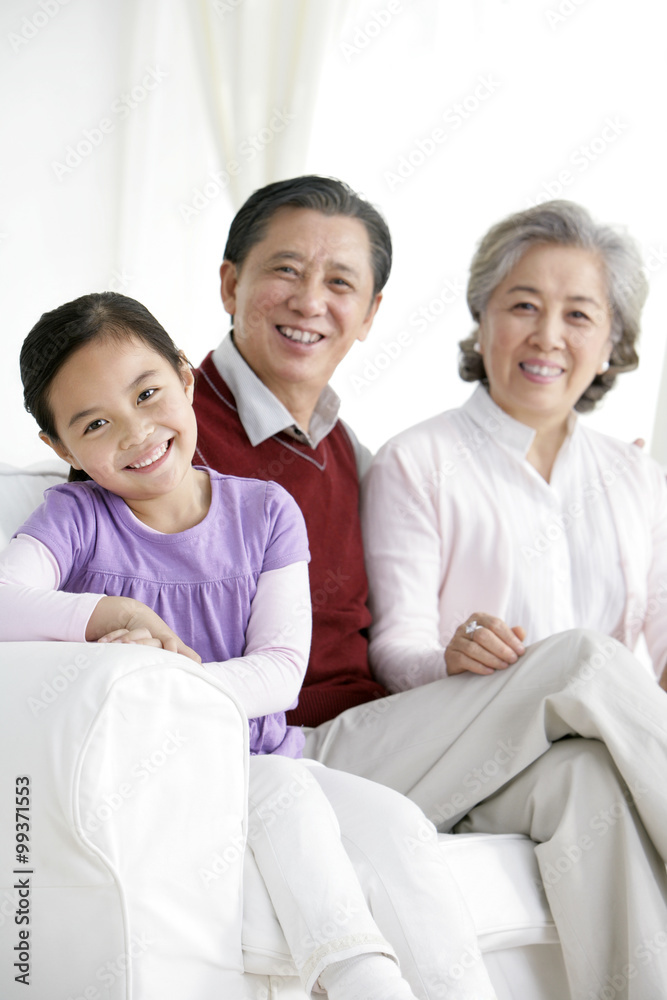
(302, 297)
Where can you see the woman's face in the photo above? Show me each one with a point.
(545, 333)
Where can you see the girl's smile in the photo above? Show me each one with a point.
(124, 416)
(150, 462)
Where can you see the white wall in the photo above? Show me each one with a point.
(525, 98)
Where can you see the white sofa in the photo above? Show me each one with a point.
(136, 872)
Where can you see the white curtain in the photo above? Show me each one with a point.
(120, 121)
(234, 90)
(119, 124)
(260, 66)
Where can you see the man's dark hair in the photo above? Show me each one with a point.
(323, 194)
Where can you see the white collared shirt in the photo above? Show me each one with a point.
(263, 415)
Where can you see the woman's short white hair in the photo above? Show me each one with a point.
(561, 223)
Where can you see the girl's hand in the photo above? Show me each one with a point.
(122, 619)
(492, 645)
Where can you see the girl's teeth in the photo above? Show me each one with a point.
(154, 458)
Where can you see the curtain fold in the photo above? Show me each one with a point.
(260, 66)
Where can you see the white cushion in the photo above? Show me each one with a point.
(500, 882)
(21, 491)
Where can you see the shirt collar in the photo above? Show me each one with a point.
(508, 432)
(260, 412)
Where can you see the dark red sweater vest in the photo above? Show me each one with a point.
(325, 484)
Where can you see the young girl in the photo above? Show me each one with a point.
(148, 549)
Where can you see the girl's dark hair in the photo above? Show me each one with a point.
(58, 334)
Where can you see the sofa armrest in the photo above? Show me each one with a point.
(136, 765)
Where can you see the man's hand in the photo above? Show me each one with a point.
(492, 645)
(122, 619)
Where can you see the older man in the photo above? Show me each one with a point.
(304, 268)
(302, 276)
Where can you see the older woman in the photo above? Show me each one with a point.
(511, 506)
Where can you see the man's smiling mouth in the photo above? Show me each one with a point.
(301, 336)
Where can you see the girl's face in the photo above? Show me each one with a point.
(124, 416)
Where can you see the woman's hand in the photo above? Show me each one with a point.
(122, 619)
(491, 645)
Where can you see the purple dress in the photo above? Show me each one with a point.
(200, 581)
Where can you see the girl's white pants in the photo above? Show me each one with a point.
(353, 867)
